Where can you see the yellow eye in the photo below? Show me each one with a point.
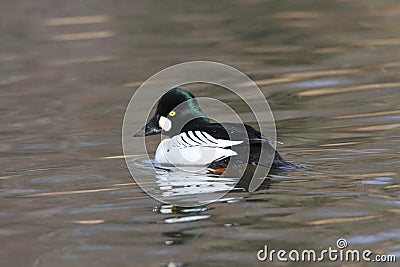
(172, 113)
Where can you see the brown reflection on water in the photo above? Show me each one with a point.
(376, 42)
(343, 220)
(337, 90)
(370, 114)
(82, 36)
(77, 20)
(382, 127)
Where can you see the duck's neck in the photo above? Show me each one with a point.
(195, 124)
(201, 120)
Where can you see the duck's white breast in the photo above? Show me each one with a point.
(196, 149)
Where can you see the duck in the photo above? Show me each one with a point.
(192, 139)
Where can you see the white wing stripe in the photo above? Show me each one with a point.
(194, 138)
(226, 143)
(202, 137)
(180, 141)
(188, 140)
(221, 142)
(184, 140)
(210, 138)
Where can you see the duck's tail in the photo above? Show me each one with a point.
(278, 162)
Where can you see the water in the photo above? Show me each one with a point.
(329, 70)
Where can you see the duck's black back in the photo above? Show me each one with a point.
(255, 139)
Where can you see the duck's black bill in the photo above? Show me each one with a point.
(151, 128)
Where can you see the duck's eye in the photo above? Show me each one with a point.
(172, 113)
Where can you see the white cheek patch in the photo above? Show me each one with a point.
(165, 123)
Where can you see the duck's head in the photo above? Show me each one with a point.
(175, 108)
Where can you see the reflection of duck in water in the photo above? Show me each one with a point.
(173, 183)
(194, 140)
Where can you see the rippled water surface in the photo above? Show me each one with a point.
(330, 71)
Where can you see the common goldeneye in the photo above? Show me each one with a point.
(194, 140)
